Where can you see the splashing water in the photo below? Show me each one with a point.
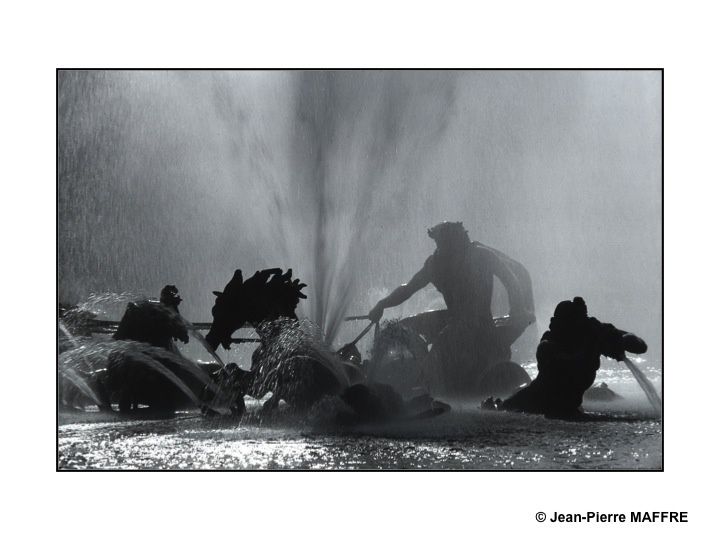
(68, 335)
(92, 356)
(157, 366)
(646, 385)
(194, 332)
(77, 380)
(287, 339)
(107, 303)
(346, 146)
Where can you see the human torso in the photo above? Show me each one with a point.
(465, 281)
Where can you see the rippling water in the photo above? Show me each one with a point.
(621, 435)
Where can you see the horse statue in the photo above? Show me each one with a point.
(293, 362)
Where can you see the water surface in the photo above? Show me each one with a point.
(621, 435)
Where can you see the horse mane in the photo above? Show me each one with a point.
(268, 295)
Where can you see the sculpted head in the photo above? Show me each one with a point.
(267, 295)
(449, 236)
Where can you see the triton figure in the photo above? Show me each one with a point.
(568, 358)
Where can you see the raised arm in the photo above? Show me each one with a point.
(402, 293)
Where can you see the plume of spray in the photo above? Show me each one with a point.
(73, 377)
(646, 386)
(351, 135)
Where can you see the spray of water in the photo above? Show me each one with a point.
(75, 343)
(289, 343)
(349, 140)
(78, 381)
(93, 356)
(646, 386)
(157, 366)
(103, 304)
(194, 332)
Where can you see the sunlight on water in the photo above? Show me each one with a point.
(627, 437)
(479, 441)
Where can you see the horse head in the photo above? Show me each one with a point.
(267, 295)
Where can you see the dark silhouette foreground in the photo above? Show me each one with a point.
(140, 379)
(568, 358)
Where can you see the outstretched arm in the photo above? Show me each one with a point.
(615, 342)
(634, 344)
(402, 293)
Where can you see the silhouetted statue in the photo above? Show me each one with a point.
(154, 322)
(170, 298)
(467, 341)
(266, 296)
(131, 382)
(292, 365)
(568, 358)
(286, 362)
